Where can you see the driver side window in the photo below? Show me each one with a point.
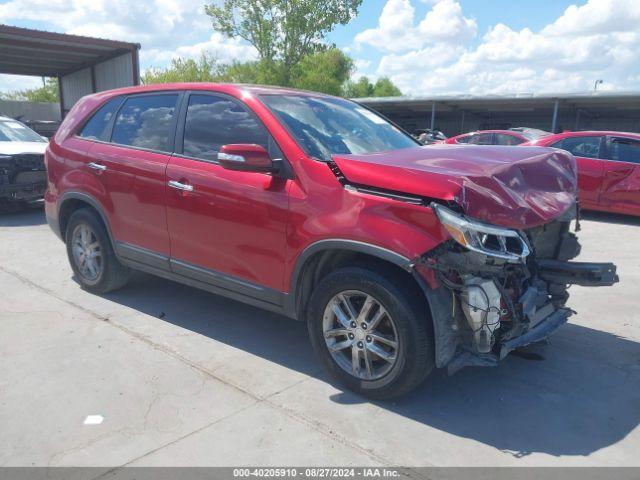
(213, 121)
(588, 147)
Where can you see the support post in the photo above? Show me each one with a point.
(462, 123)
(60, 94)
(577, 125)
(554, 122)
(433, 115)
(135, 65)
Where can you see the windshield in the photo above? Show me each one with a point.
(324, 126)
(532, 133)
(12, 131)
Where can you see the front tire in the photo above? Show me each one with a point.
(91, 255)
(371, 331)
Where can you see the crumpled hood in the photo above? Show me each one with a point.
(514, 187)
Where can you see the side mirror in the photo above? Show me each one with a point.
(245, 158)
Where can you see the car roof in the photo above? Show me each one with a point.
(513, 133)
(589, 133)
(235, 89)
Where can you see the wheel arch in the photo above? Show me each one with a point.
(73, 201)
(321, 257)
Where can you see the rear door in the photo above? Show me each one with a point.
(132, 164)
(587, 150)
(621, 177)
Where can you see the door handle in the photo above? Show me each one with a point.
(180, 186)
(97, 166)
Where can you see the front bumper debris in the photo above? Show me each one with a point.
(577, 273)
(496, 306)
(23, 191)
(23, 177)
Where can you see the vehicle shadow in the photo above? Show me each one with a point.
(582, 396)
(610, 217)
(21, 216)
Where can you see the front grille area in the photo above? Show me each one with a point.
(29, 161)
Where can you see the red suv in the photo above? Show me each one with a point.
(400, 258)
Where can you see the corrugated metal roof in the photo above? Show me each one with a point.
(25, 51)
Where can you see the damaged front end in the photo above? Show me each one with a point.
(507, 288)
(22, 177)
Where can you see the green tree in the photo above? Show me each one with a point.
(263, 72)
(361, 89)
(364, 88)
(282, 30)
(324, 71)
(48, 92)
(205, 69)
(385, 88)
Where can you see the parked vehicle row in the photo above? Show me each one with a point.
(400, 258)
(608, 162)
(512, 136)
(608, 168)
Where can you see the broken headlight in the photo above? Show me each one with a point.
(477, 236)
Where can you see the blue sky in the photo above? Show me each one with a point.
(425, 46)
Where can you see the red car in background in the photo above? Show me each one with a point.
(512, 136)
(608, 168)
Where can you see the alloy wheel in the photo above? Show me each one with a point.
(360, 334)
(87, 252)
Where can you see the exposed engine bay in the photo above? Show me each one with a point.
(506, 292)
(22, 177)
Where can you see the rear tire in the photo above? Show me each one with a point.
(385, 359)
(91, 255)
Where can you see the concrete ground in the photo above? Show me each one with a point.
(182, 377)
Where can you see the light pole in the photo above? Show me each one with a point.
(595, 85)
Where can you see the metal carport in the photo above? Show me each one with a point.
(454, 114)
(82, 65)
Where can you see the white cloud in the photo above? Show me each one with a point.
(445, 23)
(397, 32)
(596, 40)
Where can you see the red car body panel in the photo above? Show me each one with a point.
(604, 184)
(508, 186)
(254, 226)
(232, 222)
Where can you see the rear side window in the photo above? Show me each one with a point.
(504, 139)
(97, 127)
(214, 121)
(588, 147)
(625, 150)
(146, 122)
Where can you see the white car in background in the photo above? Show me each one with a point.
(22, 172)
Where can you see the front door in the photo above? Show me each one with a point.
(586, 150)
(226, 227)
(621, 179)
